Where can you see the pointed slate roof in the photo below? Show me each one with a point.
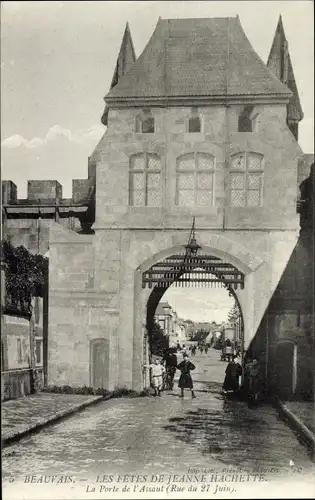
(126, 57)
(198, 58)
(125, 60)
(279, 61)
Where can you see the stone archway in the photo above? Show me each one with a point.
(163, 246)
(157, 293)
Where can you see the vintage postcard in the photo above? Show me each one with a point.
(157, 250)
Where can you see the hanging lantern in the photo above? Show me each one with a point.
(192, 246)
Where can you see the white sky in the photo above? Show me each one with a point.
(58, 58)
(199, 304)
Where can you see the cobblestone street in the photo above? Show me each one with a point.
(160, 435)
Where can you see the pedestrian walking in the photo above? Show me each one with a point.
(157, 371)
(232, 373)
(201, 349)
(170, 360)
(206, 349)
(184, 350)
(193, 350)
(185, 380)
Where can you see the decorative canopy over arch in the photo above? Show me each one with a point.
(184, 270)
(193, 268)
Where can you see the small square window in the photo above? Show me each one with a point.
(148, 126)
(245, 119)
(244, 124)
(145, 122)
(194, 124)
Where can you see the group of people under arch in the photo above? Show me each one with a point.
(163, 372)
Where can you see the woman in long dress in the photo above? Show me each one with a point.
(185, 380)
(232, 373)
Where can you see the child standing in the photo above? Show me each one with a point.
(185, 380)
(157, 371)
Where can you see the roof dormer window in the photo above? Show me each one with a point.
(145, 122)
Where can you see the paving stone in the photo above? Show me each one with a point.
(159, 435)
(22, 414)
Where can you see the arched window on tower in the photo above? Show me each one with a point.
(145, 180)
(195, 180)
(145, 122)
(194, 121)
(246, 180)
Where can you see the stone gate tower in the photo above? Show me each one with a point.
(196, 126)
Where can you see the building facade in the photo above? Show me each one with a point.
(285, 338)
(22, 353)
(197, 126)
(171, 324)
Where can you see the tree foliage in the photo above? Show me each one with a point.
(159, 341)
(26, 276)
(234, 314)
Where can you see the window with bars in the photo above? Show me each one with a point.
(195, 180)
(145, 180)
(246, 180)
(145, 122)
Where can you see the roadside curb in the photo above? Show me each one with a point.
(304, 433)
(43, 422)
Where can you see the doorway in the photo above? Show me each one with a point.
(99, 363)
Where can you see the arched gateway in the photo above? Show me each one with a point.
(194, 130)
(220, 262)
(191, 268)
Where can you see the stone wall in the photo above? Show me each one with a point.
(95, 294)
(219, 138)
(81, 309)
(288, 324)
(96, 290)
(285, 340)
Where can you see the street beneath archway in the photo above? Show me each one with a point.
(161, 435)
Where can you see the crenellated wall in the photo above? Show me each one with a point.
(27, 221)
(45, 191)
